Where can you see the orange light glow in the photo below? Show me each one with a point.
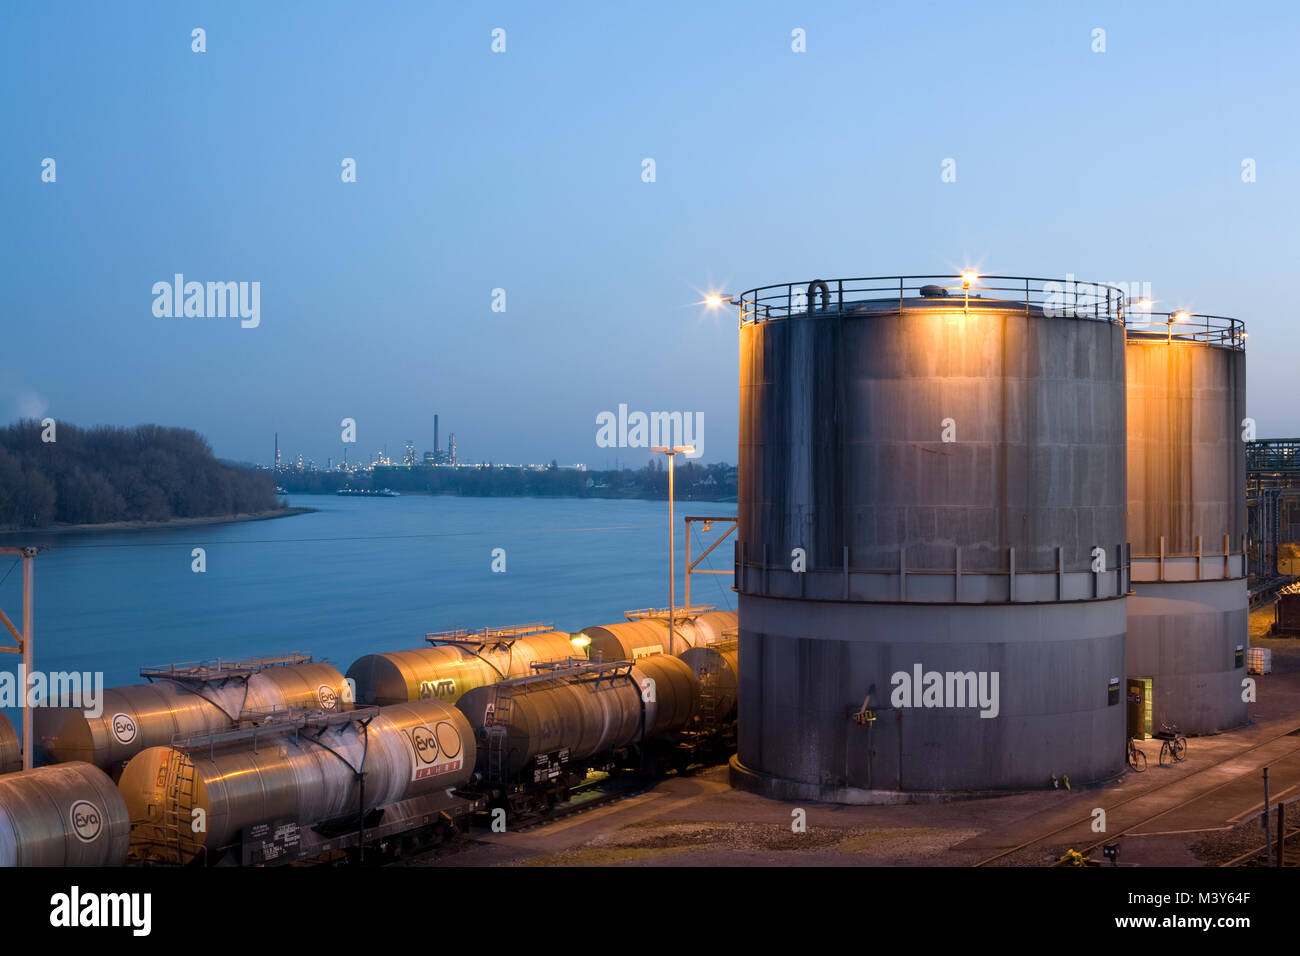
(1181, 316)
(713, 301)
(967, 278)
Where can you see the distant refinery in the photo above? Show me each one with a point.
(438, 457)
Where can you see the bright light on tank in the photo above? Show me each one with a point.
(1143, 305)
(967, 278)
(713, 301)
(1181, 316)
(580, 640)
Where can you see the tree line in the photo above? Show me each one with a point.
(107, 473)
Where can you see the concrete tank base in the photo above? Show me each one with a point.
(778, 788)
(806, 667)
(1183, 638)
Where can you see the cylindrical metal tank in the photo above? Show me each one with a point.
(584, 714)
(1188, 618)
(631, 640)
(714, 626)
(11, 747)
(139, 716)
(446, 671)
(717, 667)
(408, 750)
(69, 815)
(932, 521)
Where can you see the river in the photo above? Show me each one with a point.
(356, 576)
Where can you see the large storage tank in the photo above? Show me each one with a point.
(11, 747)
(1188, 618)
(950, 464)
(445, 671)
(579, 713)
(69, 815)
(406, 751)
(184, 699)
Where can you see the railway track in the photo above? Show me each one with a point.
(1086, 820)
(1260, 855)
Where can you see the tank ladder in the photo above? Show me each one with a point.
(496, 729)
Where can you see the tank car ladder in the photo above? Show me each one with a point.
(170, 837)
(496, 730)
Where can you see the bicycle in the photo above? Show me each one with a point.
(1173, 744)
(1136, 758)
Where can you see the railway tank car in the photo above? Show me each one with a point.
(302, 785)
(456, 662)
(69, 815)
(717, 667)
(184, 699)
(646, 632)
(537, 736)
(11, 748)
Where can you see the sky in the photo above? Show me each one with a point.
(523, 171)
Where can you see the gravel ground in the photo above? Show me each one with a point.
(719, 843)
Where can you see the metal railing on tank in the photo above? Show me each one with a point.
(1053, 298)
(1187, 327)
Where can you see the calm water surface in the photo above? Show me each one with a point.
(357, 576)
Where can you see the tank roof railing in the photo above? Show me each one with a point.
(576, 667)
(680, 613)
(1183, 326)
(1056, 298)
(255, 725)
(488, 634)
(221, 669)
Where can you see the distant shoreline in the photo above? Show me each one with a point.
(156, 525)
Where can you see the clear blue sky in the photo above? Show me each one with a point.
(522, 171)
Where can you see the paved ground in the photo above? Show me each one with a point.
(1199, 812)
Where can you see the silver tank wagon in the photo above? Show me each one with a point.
(932, 515)
(457, 661)
(590, 710)
(1187, 620)
(634, 639)
(184, 699)
(303, 778)
(69, 815)
(717, 667)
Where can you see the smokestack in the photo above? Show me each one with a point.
(436, 446)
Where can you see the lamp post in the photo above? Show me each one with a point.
(671, 451)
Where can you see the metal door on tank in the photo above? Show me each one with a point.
(1139, 707)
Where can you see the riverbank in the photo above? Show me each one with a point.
(120, 526)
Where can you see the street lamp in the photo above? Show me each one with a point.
(671, 451)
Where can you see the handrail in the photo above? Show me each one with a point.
(1066, 298)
